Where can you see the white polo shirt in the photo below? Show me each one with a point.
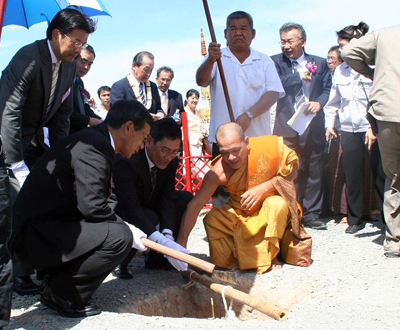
(247, 82)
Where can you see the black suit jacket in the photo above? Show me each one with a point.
(320, 88)
(24, 96)
(121, 90)
(174, 102)
(133, 190)
(80, 117)
(62, 208)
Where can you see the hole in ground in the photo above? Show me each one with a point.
(194, 302)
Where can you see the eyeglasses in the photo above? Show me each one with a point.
(289, 42)
(76, 43)
(168, 152)
(331, 58)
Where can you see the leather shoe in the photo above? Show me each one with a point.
(315, 224)
(24, 286)
(65, 307)
(352, 229)
(391, 255)
(123, 273)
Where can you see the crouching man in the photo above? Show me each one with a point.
(63, 224)
(260, 219)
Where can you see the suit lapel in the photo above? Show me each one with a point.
(47, 73)
(128, 86)
(311, 59)
(144, 165)
(286, 64)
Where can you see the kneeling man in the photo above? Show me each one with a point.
(246, 232)
(63, 224)
(145, 189)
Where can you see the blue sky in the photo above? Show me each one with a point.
(171, 31)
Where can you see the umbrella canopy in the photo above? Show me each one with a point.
(29, 12)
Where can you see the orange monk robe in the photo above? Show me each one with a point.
(239, 240)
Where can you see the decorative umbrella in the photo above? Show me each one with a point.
(29, 12)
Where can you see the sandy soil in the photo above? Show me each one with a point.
(350, 284)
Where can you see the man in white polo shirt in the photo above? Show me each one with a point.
(253, 83)
(252, 80)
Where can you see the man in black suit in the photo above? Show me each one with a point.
(82, 115)
(137, 86)
(145, 189)
(63, 223)
(297, 80)
(171, 100)
(35, 92)
(5, 257)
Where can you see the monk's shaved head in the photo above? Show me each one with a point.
(229, 129)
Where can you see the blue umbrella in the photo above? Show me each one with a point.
(29, 12)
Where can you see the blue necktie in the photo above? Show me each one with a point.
(142, 89)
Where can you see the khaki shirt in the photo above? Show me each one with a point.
(382, 49)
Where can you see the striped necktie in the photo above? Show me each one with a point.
(153, 176)
(142, 89)
(54, 78)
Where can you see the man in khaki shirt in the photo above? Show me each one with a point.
(382, 49)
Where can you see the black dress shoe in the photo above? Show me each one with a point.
(352, 229)
(392, 255)
(65, 307)
(123, 273)
(24, 286)
(315, 224)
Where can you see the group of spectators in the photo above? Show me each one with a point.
(83, 198)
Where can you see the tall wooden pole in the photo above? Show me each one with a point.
(219, 63)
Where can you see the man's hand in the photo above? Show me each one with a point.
(20, 171)
(137, 237)
(158, 115)
(306, 76)
(214, 51)
(313, 107)
(243, 121)
(163, 240)
(94, 121)
(253, 198)
(328, 132)
(370, 138)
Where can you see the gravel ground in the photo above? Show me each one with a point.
(350, 284)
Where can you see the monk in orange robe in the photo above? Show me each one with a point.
(261, 213)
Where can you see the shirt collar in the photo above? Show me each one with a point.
(151, 164)
(136, 81)
(112, 140)
(161, 93)
(301, 59)
(53, 56)
(254, 56)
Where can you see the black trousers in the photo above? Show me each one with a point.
(31, 156)
(5, 258)
(310, 177)
(77, 280)
(353, 167)
(183, 199)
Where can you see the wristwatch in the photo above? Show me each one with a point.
(248, 113)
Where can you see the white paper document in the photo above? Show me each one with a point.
(299, 121)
